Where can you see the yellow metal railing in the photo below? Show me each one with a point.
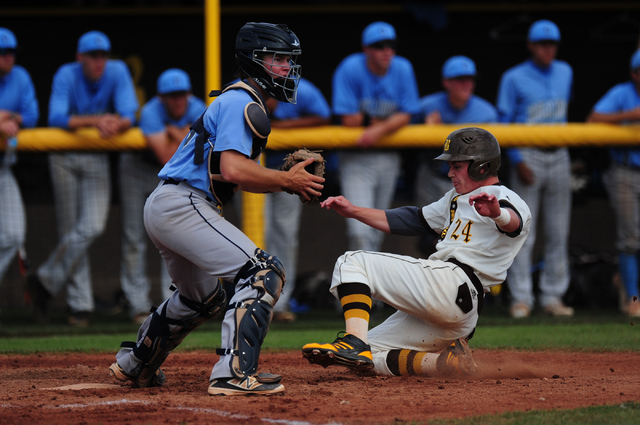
(336, 137)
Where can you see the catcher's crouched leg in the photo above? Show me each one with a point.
(164, 334)
(266, 275)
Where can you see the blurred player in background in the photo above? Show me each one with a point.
(18, 109)
(534, 92)
(621, 105)
(377, 91)
(164, 121)
(283, 211)
(97, 92)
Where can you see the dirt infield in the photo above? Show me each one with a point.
(77, 389)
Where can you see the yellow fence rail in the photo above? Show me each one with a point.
(337, 137)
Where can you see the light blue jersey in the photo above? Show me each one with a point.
(310, 102)
(620, 98)
(18, 95)
(477, 110)
(357, 89)
(224, 120)
(73, 94)
(531, 94)
(154, 117)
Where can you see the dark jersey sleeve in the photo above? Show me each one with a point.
(407, 221)
(507, 204)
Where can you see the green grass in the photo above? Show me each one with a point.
(620, 414)
(604, 330)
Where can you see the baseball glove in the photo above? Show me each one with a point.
(316, 167)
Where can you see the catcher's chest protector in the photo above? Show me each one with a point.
(256, 116)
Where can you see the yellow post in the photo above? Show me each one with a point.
(252, 204)
(212, 47)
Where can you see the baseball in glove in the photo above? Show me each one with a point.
(316, 167)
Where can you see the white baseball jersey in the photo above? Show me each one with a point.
(476, 240)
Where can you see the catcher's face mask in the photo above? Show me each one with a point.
(283, 71)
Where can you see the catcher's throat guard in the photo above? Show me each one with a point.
(266, 275)
(163, 334)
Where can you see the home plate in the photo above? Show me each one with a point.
(84, 386)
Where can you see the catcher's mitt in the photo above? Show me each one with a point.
(316, 167)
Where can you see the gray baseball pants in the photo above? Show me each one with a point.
(200, 247)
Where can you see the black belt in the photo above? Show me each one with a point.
(468, 270)
(176, 182)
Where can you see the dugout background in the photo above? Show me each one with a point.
(597, 40)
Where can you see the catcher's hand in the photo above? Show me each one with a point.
(316, 167)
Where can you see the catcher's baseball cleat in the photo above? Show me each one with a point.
(247, 386)
(457, 359)
(348, 350)
(117, 372)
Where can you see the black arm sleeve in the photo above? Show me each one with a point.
(407, 221)
(507, 204)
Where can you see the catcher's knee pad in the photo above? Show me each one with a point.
(252, 317)
(265, 273)
(164, 333)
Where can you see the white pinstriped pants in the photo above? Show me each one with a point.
(82, 191)
(137, 178)
(368, 179)
(550, 197)
(12, 219)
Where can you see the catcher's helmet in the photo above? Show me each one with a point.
(475, 145)
(257, 39)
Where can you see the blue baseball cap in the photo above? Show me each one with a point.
(543, 30)
(458, 66)
(635, 60)
(7, 39)
(173, 80)
(377, 31)
(92, 41)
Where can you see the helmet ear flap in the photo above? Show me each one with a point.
(480, 171)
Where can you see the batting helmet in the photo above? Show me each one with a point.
(257, 39)
(475, 145)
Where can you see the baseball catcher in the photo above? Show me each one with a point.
(183, 217)
(482, 226)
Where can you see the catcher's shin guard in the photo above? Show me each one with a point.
(265, 274)
(164, 334)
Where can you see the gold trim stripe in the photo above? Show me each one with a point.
(360, 314)
(355, 298)
(403, 358)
